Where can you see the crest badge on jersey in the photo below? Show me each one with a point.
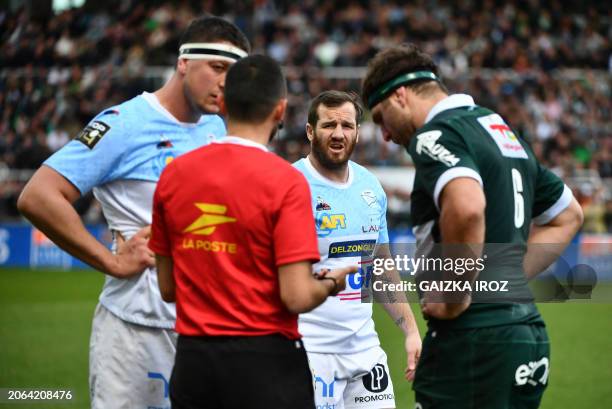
(369, 197)
(322, 204)
(507, 142)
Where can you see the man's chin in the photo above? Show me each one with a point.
(210, 109)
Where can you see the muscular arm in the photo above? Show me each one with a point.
(396, 305)
(462, 221)
(301, 292)
(47, 202)
(559, 231)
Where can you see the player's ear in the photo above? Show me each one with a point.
(279, 111)
(181, 66)
(309, 132)
(399, 96)
(357, 133)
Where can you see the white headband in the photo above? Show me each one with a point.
(211, 51)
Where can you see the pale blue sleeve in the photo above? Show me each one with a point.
(89, 161)
(383, 234)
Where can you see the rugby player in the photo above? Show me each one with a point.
(120, 155)
(350, 206)
(476, 182)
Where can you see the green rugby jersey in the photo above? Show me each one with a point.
(461, 139)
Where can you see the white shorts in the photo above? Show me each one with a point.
(129, 364)
(359, 380)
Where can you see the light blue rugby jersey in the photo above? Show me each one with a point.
(350, 220)
(120, 155)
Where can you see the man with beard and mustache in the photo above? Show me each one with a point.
(349, 206)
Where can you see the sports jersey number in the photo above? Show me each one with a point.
(519, 202)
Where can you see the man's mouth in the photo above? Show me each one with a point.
(336, 147)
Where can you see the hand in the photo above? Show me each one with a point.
(339, 275)
(133, 256)
(413, 347)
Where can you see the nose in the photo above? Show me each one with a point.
(337, 133)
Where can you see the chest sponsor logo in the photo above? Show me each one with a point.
(327, 223)
(504, 138)
(92, 133)
(374, 226)
(356, 248)
(427, 144)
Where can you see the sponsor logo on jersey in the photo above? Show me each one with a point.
(205, 225)
(369, 197)
(355, 248)
(92, 133)
(427, 144)
(164, 143)
(322, 205)
(327, 223)
(504, 138)
(374, 226)
(532, 373)
(212, 216)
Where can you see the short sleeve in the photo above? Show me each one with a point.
(552, 196)
(383, 234)
(440, 156)
(295, 237)
(91, 158)
(159, 241)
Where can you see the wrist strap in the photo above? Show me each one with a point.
(335, 290)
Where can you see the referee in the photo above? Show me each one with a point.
(235, 241)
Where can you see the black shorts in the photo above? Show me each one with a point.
(503, 367)
(241, 372)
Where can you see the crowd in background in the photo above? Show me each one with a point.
(546, 67)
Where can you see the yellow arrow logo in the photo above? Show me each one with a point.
(212, 217)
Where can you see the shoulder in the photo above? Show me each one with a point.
(214, 124)
(300, 165)
(364, 176)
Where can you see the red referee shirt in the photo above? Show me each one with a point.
(229, 214)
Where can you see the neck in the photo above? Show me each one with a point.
(259, 133)
(172, 97)
(424, 105)
(338, 175)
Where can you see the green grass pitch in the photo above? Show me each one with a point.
(45, 320)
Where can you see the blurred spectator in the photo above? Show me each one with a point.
(541, 64)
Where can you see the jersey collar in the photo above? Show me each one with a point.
(315, 173)
(236, 140)
(155, 104)
(450, 102)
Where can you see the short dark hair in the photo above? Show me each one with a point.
(253, 87)
(402, 59)
(334, 99)
(208, 29)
